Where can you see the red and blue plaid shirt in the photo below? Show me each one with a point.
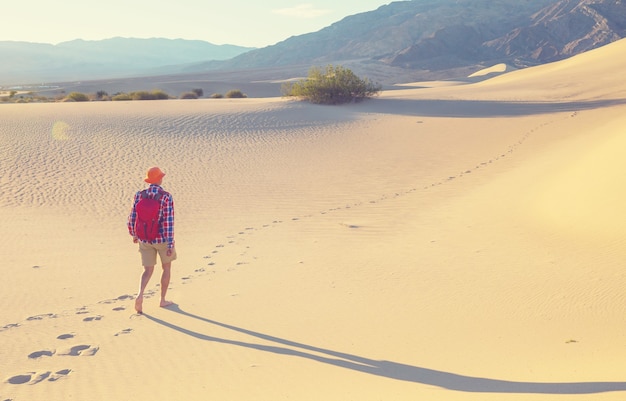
(166, 216)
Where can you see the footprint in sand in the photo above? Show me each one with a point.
(114, 300)
(9, 326)
(66, 336)
(43, 316)
(92, 318)
(79, 350)
(20, 379)
(59, 374)
(39, 354)
(125, 331)
(34, 377)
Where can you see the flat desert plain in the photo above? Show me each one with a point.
(453, 242)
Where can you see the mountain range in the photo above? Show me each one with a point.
(441, 37)
(25, 62)
(419, 38)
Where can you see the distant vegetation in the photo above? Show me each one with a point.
(14, 96)
(331, 85)
(188, 95)
(194, 94)
(156, 94)
(76, 97)
(235, 93)
(121, 97)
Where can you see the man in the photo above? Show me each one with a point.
(162, 244)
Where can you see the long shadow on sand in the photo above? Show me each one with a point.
(478, 108)
(392, 370)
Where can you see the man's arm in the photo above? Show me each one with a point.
(168, 220)
(132, 217)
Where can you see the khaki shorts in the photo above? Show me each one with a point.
(149, 253)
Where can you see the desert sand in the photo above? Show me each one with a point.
(460, 242)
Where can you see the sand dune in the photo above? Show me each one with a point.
(446, 243)
(495, 69)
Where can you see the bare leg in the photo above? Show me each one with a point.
(145, 278)
(165, 283)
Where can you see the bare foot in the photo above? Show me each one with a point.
(139, 303)
(165, 304)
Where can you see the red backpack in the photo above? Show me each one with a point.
(147, 221)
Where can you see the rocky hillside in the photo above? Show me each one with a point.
(446, 35)
(562, 30)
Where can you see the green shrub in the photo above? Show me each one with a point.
(217, 96)
(76, 97)
(156, 94)
(189, 95)
(121, 96)
(235, 93)
(141, 95)
(159, 94)
(332, 85)
(198, 92)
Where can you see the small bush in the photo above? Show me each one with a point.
(332, 85)
(121, 97)
(198, 92)
(235, 93)
(160, 95)
(189, 95)
(76, 97)
(217, 96)
(140, 95)
(156, 94)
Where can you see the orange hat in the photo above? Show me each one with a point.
(154, 175)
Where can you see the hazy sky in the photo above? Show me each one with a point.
(255, 23)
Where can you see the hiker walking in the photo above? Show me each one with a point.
(151, 224)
